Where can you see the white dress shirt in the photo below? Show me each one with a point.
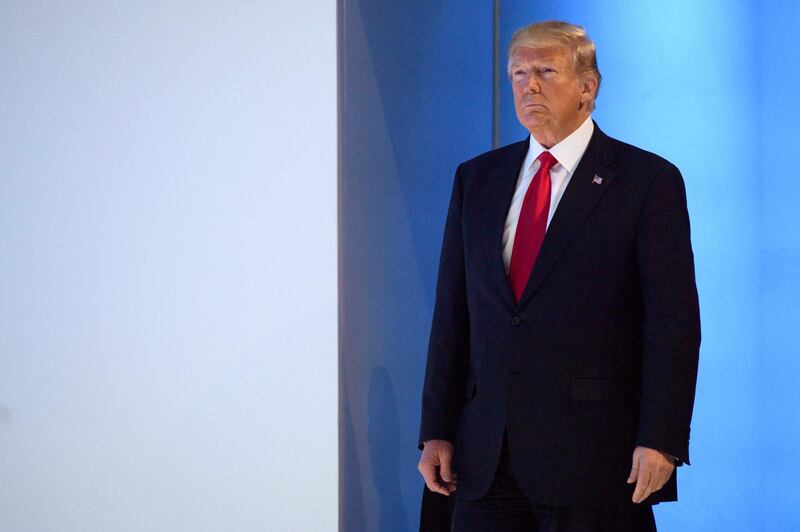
(568, 153)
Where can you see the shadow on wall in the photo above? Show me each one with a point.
(383, 438)
(352, 515)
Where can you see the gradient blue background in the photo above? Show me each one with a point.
(710, 86)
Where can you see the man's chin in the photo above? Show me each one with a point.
(536, 125)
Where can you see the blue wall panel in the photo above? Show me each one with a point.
(415, 84)
(777, 70)
(710, 86)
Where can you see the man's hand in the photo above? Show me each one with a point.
(651, 470)
(434, 465)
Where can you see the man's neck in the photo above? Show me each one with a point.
(549, 137)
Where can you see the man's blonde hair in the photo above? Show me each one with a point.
(557, 34)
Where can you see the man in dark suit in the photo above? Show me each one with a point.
(563, 351)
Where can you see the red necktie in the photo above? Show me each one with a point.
(531, 225)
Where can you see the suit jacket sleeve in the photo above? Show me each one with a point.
(448, 348)
(671, 319)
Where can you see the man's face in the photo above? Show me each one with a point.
(550, 100)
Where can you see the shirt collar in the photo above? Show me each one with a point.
(568, 152)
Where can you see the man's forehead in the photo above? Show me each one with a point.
(530, 53)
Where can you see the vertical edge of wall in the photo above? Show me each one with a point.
(496, 70)
(340, 7)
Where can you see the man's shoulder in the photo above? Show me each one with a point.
(641, 169)
(495, 157)
(626, 156)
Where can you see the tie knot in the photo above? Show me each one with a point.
(546, 160)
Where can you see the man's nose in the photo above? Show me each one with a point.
(533, 83)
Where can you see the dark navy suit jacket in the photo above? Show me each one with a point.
(600, 353)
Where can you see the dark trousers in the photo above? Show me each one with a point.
(505, 508)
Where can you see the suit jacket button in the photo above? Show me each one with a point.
(515, 321)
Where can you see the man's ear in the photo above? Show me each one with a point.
(588, 88)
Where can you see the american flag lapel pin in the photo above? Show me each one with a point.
(597, 180)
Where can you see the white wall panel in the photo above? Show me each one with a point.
(168, 297)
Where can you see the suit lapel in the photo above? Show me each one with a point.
(499, 192)
(582, 194)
